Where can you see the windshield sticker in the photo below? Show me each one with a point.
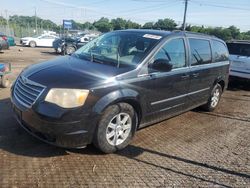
(157, 37)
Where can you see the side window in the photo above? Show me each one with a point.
(220, 52)
(174, 52)
(234, 49)
(200, 51)
(245, 50)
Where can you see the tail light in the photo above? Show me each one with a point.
(4, 38)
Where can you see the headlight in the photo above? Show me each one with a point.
(67, 98)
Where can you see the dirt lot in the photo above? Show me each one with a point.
(195, 149)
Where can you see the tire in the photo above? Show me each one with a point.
(32, 44)
(110, 135)
(214, 98)
(70, 50)
(5, 82)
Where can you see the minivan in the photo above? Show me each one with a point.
(117, 83)
(239, 56)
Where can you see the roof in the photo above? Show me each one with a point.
(164, 33)
(239, 41)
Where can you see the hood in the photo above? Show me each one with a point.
(27, 38)
(71, 72)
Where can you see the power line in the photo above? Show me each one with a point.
(219, 6)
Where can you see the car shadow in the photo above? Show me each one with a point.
(49, 53)
(15, 140)
(238, 84)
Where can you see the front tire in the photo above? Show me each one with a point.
(214, 98)
(116, 128)
(32, 44)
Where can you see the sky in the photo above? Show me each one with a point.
(221, 13)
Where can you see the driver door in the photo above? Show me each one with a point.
(168, 89)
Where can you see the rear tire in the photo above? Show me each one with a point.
(116, 128)
(214, 98)
(32, 44)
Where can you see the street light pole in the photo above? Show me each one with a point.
(36, 20)
(185, 14)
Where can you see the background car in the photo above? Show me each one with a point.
(68, 45)
(9, 39)
(4, 45)
(240, 59)
(43, 41)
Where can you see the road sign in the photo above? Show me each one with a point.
(67, 24)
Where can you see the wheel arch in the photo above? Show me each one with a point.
(124, 95)
(220, 81)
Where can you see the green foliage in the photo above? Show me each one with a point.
(24, 25)
(165, 24)
(103, 25)
(148, 25)
(226, 34)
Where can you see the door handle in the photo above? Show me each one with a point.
(195, 74)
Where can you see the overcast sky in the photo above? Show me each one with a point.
(200, 12)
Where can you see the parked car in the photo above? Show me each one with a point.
(9, 39)
(69, 45)
(240, 59)
(42, 41)
(118, 83)
(3, 43)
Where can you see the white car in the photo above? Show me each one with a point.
(240, 59)
(43, 41)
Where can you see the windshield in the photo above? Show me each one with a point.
(120, 49)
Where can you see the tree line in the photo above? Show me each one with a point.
(105, 25)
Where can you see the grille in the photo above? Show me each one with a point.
(27, 91)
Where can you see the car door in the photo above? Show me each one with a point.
(46, 41)
(201, 71)
(166, 90)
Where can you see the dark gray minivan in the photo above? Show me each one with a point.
(118, 83)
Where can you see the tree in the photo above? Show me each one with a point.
(103, 25)
(165, 24)
(148, 25)
(132, 25)
(118, 23)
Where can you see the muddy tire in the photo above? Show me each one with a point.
(116, 128)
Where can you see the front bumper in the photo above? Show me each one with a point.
(241, 73)
(24, 43)
(70, 134)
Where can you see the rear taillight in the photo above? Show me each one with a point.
(4, 38)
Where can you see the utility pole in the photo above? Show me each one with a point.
(185, 14)
(7, 20)
(36, 20)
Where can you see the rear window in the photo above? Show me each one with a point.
(239, 49)
(200, 51)
(220, 52)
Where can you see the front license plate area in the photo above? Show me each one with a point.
(18, 113)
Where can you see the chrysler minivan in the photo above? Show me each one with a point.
(118, 83)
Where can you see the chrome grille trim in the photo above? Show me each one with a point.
(26, 92)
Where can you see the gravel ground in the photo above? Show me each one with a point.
(195, 149)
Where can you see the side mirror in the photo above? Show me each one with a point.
(162, 65)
